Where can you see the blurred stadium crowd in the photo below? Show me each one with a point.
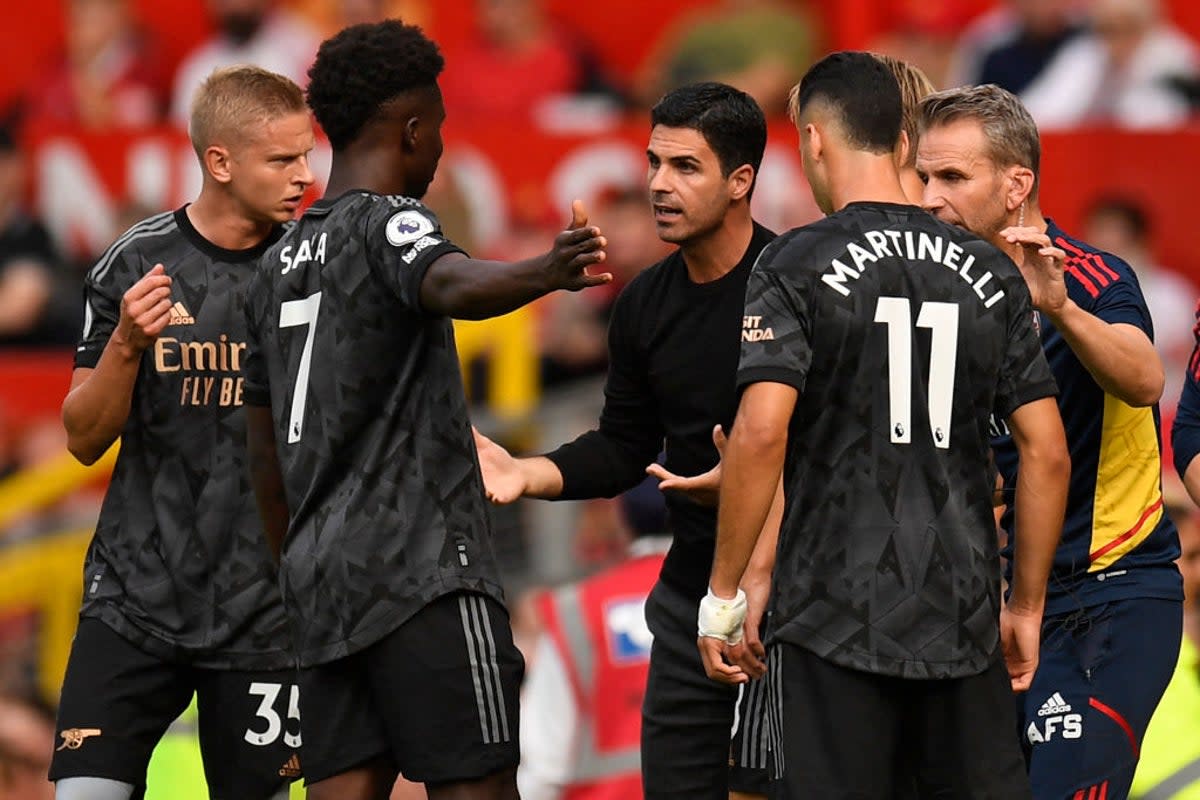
(546, 101)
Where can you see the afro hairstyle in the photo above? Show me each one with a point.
(363, 67)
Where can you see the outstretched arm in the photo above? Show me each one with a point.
(266, 477)
(468, 288)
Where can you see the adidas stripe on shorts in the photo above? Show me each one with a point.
(437, 697)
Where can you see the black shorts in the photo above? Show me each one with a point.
(700, 739)
(850, 735)
(118, 701)
(437, 697)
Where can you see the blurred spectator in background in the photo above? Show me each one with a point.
(574, 333)
(758, 46)
(1121, 226)
(330, 16)
(109, 76)
(255, 32)
(1012, 45)
(28, 262)
(923, 33)
(1133, 69)
(26, 740)
(1169, 768)
(581, 706)
(517, 63)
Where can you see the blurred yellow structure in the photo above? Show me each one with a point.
(509, 344)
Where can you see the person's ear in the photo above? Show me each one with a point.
(903, 148)
(1018, 187)
(811, 138)
(218, 163)
(411, 133)
(740, 181)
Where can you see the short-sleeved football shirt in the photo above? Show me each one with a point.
(902, 335)
(379, 465)
(179, 564)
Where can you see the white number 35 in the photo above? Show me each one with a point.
(268, 694)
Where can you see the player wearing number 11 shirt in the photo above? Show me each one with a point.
(876, 344)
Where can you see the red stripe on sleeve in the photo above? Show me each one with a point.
(1087, 264)
(1075, 273)
(1100, 263)
(1070, 248)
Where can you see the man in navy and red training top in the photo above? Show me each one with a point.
(1110, 637)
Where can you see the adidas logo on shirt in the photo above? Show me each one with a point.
(180, 315)
(1055, 704)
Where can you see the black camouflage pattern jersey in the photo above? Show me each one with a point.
(382, 480)
(179, 565)
(902, 335)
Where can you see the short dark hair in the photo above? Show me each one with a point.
(730, 121)
(363, 67)
(863, 93)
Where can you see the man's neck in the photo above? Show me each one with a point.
(715, 255)
(217, 219)
(363, 169)
(865, 177)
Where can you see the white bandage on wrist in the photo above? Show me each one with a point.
(722, 619)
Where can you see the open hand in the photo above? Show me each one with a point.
(705, 488)
(503, 481)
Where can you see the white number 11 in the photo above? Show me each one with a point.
(291, 314)
(942, 321)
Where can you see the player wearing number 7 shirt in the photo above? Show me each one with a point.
(361, 450)
(881, 342)
(180, 596)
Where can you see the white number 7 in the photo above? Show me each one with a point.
(942, 321)
(291, 314)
